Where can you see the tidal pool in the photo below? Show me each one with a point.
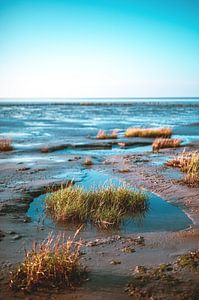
(161, 216)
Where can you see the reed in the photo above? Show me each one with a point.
(161, 143)
(102, 135)
(5, 145)
(103, 207)
(149, 132)
(54, 263)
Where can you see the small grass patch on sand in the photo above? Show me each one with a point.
(5, 145)
(54, 263)
(161, 143)
(188, 163)
(102, 135)
(103, 207)
(148, 132)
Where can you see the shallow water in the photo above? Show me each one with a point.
(62, 123)
(161, 216)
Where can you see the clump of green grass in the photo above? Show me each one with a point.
(5, 145)
(161, 143)
(102, 135)
(148, 132)
(53, 263)
(188, 163)
(104, 207)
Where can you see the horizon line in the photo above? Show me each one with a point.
(84, 98)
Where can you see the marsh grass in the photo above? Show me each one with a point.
(161, 143)
(180, 161)
(102, 135)
(103, 207)
(88, 161)
(188, 163)
(192, 170)
(5, 145)
(148, 132)
(54, 263)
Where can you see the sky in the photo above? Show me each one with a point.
(99, 48)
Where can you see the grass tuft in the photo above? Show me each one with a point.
(53, 263)
(188, 163)
(165, 143)
(103, 207)
(5, 145)
(102, 135)
(88, 161)
(148, 132)
(192, 170)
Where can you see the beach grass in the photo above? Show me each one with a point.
(88, 161)
(161, 143)
(192, 170)
(102, 135)
(103, 207)
(181, 161)
(5, 145)
(188, 162)
(54, 263)
(149, 132)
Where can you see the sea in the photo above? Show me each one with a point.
(31, 122)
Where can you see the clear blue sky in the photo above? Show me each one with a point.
(99, 48)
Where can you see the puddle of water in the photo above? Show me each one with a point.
(105, 152)
(162, 216)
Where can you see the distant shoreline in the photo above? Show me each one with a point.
(102, 101)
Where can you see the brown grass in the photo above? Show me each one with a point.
(188, 163)
(88, 161)
(44, 150)
(102, 135)
(53, 263)
(192, 176)
(148, 132)
(180, 161)
(165, 143)
(5, 145)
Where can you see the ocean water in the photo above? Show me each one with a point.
(33, 123)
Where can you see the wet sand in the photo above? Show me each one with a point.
(21, 182)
